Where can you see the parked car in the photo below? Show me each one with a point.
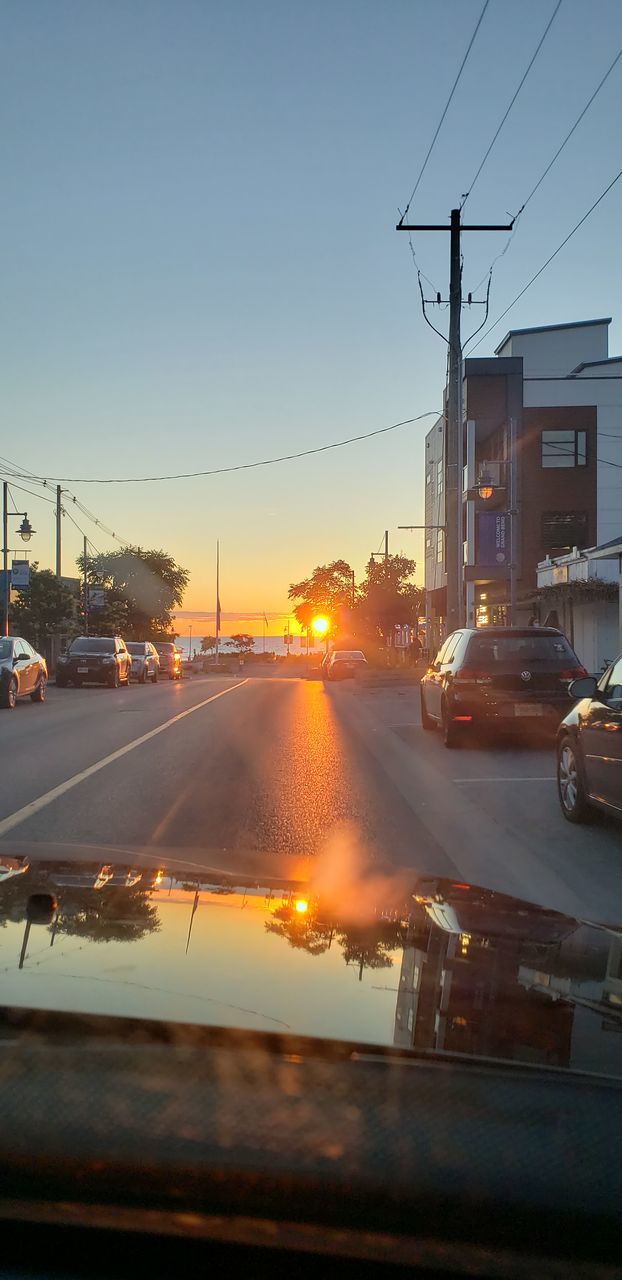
(589, 747)
(94, 660)
(344, 664)
(145, 661)
(22, 671)
(509, 677)
(170, 659)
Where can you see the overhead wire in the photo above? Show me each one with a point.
(445, 110)
(240, 466)
(553, 255)
(512, 101)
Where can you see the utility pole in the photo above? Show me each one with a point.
(386, 545)
(58, 533)
(5, 556)
(86, 588)
(454, 426)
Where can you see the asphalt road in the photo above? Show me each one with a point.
(220, 766)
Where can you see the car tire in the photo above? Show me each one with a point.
(127, 678)
(450, 731)
(114, 679)
(154, 678)
(142, 679)
(8, 694)
(38, 694)
(426, 720)
(570, 786)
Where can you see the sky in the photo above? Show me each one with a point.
(200, 267)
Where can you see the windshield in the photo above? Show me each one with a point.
(311, 362)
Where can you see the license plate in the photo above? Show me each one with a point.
(528, 709)
(83, 671)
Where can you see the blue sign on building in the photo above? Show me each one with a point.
(493, 538)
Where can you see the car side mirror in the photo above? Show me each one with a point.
(20, 657)
(584, 687)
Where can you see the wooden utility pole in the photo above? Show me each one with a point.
(453, 426)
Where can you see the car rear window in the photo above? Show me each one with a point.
(346, 655)
(165, 648)
(522, 650)
(134, 646)
(92, 644)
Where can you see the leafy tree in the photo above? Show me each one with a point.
(47, 607)
(303, 932)
(369, 946)
(106, 915)
(142, 590)
(242, 643)
(208, 643)
(327, 591)
(388, 596)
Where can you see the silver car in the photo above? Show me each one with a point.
(22, 671)
(145, 661)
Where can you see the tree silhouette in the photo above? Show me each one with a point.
(303, 932)
(106, 915)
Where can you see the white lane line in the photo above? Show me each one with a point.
(498, 779)
(35, 806)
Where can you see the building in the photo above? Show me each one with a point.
(584, 589)
(542, 467)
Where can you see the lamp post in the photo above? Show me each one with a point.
(25, 532)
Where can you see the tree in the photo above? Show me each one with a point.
(47, 607)
(107, 915)
(370, 946)
(142, 590)
(207, 644)
(388, 596)
(303, 932)
(242, 643)
(327, 591)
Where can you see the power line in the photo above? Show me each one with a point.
(550, 164)
(241, 466)
(446, 109)
(550, 259)
(513, 100)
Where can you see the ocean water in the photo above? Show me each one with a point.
(273, 644)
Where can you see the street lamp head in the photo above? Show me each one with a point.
(485, 486)
(25, 529)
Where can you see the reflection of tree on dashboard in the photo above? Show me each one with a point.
(14, 895)
(304, 932)
(106, 915)
(367, 946)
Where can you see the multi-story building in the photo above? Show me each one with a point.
(542, 453)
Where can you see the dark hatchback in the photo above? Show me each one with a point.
(509, 677)
(95, 660)
(589, 747)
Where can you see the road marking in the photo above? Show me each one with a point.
(35, 806)
(498, 779)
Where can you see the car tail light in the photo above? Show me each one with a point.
(468, 675)
(573, 673)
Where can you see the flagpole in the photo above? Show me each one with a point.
(217, 599)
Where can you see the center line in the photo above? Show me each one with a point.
(35, 806)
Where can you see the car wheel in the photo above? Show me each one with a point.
(8, 694)
(142, 679)
(114, 679)
(38, 694)
(154, 677)
(426, 720)
(451, 733)
(570, 788)
(127, 677)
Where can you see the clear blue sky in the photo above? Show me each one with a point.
(199, 264)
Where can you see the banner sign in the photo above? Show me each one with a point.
(97, 597)
(20, 574)
(493, 530)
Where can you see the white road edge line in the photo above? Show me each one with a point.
(29, 810)
(498, 779)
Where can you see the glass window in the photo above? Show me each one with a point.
(564, 448)
(439, 546)
(439, 477)
(135, 646)
(520, 650)
(614, 683)
(563, 530)
(92, 644)
(6, 648)
(452, 645)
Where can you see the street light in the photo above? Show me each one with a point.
(485, 486)
(25, 531)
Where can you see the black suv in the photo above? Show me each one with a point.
(511, 677)
(95, 660)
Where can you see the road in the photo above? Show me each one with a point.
(224, 765)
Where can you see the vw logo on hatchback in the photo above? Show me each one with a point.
(525, 675)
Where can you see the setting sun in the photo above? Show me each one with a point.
(320, 626)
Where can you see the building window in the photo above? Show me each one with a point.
(428, 543)
(564, 448)
(563, 530)
(430, 474)
(439, 546)
(439, 477)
